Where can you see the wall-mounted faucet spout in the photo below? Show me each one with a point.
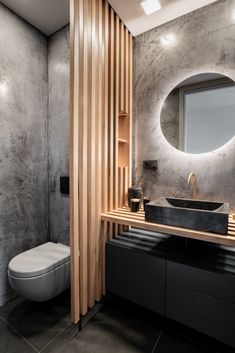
(192, 178)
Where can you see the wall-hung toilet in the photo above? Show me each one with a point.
(41, 273)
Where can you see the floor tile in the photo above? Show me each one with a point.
(188, 334)
(64, 341)
(38, 323)
(11, 342)
(112, 330)
(170, 342)
(114, 326)
(135, 310)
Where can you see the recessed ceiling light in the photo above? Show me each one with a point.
(150, 6)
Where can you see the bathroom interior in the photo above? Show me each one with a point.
(117, 188)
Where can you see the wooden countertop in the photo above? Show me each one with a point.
(124, 216)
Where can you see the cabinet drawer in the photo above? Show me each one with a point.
(206, 314)
(141, 289)
(137, 261)
(208, 282)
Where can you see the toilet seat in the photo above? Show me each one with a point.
(39, 260)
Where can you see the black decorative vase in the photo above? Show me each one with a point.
(135, 205)
(134, 192)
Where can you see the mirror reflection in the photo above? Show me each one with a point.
(198, 115)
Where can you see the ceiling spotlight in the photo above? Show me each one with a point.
(150, 6)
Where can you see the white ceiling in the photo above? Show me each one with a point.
(50, 15)
(132, 14)
(46, 15)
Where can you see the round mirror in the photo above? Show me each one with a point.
(198, 115)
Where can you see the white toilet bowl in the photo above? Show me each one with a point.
(41, 273)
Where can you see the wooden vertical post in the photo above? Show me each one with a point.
(74, 124)
(130, 105)
(111, 119)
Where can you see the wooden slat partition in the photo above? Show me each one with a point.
(101, 52)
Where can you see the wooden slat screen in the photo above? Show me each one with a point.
(101, 88)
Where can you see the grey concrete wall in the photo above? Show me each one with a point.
(23, 141)
(204, 42)
(59, 110)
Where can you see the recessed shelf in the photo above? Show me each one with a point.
(123, 141)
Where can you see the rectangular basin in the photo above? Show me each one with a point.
(201, 215)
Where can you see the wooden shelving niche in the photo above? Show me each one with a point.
(123, 139)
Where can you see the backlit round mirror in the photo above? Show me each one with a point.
(198, 115)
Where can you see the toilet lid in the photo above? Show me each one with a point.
(39, 260)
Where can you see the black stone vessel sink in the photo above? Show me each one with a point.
(201, 215)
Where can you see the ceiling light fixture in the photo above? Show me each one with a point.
(150, 6)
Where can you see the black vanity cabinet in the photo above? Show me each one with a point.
(200, 293)
(135, 272)
(190, 282)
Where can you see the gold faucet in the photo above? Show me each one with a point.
(192, 177)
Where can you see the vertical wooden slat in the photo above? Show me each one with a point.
(105, 90)
(120, 186)
(111, 117)
(120, 194)
(116, 104)
(104, 231)
(92, 157)
(111, 110)
(130, 105)
(122, 68)
(110, 230)
(74, 124)
(83, 113)
(99, 141)
(105, 172)
(126, 63)
(126, 184)
(116, 115)
(88, 25)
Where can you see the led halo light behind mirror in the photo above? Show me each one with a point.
(198, 115)
(150, 6)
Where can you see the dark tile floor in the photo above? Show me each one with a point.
(114, 326)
